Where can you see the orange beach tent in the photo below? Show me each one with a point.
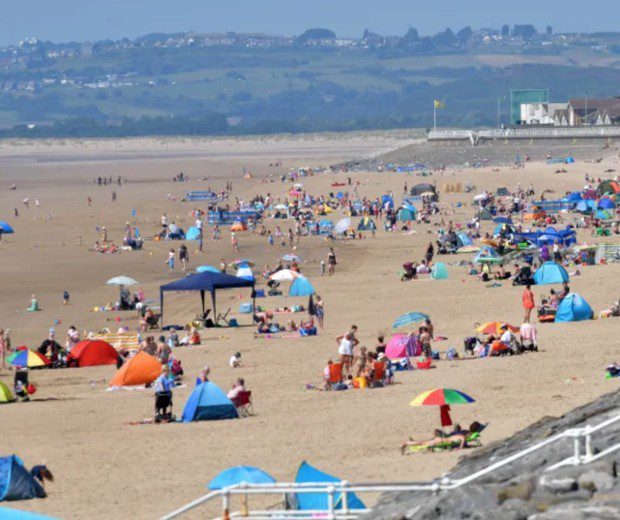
(141, 369)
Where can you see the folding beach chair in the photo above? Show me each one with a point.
(335, 373)
(378, 371)
(223, 317)
(243, 404)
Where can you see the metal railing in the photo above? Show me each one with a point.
(525, 133)
(337, 493)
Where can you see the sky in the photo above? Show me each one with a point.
(81, 20)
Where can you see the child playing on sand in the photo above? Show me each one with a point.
(65, 298)
(170, 260)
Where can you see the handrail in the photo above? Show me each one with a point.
(444, 484)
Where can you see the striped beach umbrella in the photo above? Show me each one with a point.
(495, 327)
(442, 397)
(407, 319)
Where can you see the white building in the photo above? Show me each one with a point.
(543, 114)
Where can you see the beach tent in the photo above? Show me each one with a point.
(318, 501)
(15, 514)
(463, 240)
(485, 215)
(89, 353)
(609, 187)
(439, 271)
(16, 482)
(574, 196)
(421, 188)
(606, 203)
(192, 233)
(301, 286)
(141, 369)
(402, 345)
(386, 199)
(203, 283)
(366, 224)
(326, 227)
(573, 308)
(406, 213)
(550, 272)
(603, 214)
(208, 403)
(5, 394)
(5, 227)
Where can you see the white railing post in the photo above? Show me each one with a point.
(344, 496)
(226, 505)
(330, 502)
(577, 450)
(588, 435)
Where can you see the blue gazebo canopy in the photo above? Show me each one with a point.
(204, 282)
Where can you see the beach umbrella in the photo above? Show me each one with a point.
(284, 275)
(442, 397)
(342, 225)
(121, 280)
(291, 258)
(239, 474)
(244, 271)
(5, 227)
(207, 269)
(241, 261)
(407, 319)
(495, 327)
(28, 358)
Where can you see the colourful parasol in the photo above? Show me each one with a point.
(28, 358)
(442, 397)
(495, 327)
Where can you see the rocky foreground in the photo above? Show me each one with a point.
(523, 489)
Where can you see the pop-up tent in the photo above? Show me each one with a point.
(301, 286)
(573, 308)
(402, 345)
(208, 403)
(5, 394)
(406, 213)
(192, 233)
(16, 483)
(204, 282)
(318, 501)
(423, 187)
(366, 224)
(439, 271)
(89, 353)
(16, 514)
(550, 272)
(141, 369)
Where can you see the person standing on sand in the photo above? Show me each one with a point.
(170, 260)
(528, 302)
(331, 261)
(319, 310)
(234, 242)
(183, 256)
(3, 349)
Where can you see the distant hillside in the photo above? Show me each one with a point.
(251, 83)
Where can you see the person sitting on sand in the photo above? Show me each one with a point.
(439, 437)
(41, 473)
(203, 376)
(235, 360)
(34, 304)
(236, 388)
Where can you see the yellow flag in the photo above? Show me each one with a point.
(439, 104)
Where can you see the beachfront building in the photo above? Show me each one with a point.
(544, 114)
(595, 111)
(577, 112)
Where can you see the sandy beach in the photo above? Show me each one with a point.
(106, 467)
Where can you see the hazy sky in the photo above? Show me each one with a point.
(66, 20)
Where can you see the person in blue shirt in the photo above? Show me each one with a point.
(163, 396)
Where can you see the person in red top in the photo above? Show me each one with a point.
(528, 302)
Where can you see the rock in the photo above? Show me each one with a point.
(521, 491)
(557, 484)
(594, 481)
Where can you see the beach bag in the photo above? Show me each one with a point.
(245, 308)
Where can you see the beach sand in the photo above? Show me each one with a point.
(107, 468)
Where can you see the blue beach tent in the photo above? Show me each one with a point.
(16, 483)
(550, 272)
(406, 213)
(208, 403)
(318, 501)
(192, 233)
(573, 308)
(301, 287)
(15, 514)
(5, 227)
